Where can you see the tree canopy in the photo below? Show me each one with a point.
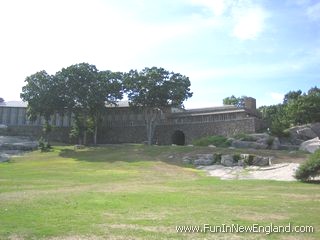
(236, 101)
(80, 89)
(157, 88)
(154, 89)
(297, 108)
(42, 92)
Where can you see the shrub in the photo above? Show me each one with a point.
(217, 158)
(270, 141)
(310, 168)
(244, 137)
(44, 145)
(249, 160)
(236, 157)
(218, 141)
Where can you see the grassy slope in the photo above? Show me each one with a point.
(139, 192)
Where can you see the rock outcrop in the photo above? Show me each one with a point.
(10, 145)
(311, 145)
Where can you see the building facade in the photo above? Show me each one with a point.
(123, 124)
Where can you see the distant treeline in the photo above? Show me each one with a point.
(297, 108)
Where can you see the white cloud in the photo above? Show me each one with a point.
(277, 96)
(217, 7)
(313, 12)
(37, 35)
(247, 71)
(249, 22)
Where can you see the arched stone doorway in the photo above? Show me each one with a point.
(178, 138)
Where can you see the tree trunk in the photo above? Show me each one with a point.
(151, 118)
(95, 131)
(85, 129)
(85, 137)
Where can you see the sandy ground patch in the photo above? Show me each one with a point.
(281, 172)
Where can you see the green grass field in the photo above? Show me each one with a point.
(140, 192)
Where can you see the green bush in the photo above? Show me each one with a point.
(270, 141)
(216, 140)
(217, 158)
(244, 137)
(236, 157)
(44, 145)
(249, 161)
(310, 168)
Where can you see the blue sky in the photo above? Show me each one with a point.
(260, 48)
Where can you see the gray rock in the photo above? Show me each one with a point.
(244, 156)
(2, 126)
(17, 143)
(4, 157)
(241, 162)
(245, 144)
(211, 146)
(259, 137)
(187, 160)
(203, 162)
(227, 160)
(310, 145)
(303, 132)
(316, 128)
(289, 147)
(276, 144)
(203, 159)
(261, 161)
(306, 133)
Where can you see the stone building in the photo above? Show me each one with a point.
(123, 124)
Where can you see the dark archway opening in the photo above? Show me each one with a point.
(178, 138)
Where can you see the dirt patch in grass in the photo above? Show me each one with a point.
(77, 238)
(255, 216)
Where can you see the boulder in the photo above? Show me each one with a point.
(261, 161)
(187, 160)
(304, 132)
(241, 163)
(245, 144)
(276, 144)
(17, 143)
(259, 137)
(227, 160)
(289, 147)
(203, 159)
(316, 128)
(4, 157)
(310, 145)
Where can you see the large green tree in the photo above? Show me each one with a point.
(236, 101)
(154, 89)
(42, 92)
(87, 92)
(80, 89)
(297, 108)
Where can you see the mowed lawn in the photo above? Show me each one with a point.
(140, 192)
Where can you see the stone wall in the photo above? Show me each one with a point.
(122, 134)
(193, 131)
(125, 125)
(59, 134)
(17, 116)
(163, 133)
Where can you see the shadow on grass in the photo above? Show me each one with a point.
(128, 153)
(312, 181)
